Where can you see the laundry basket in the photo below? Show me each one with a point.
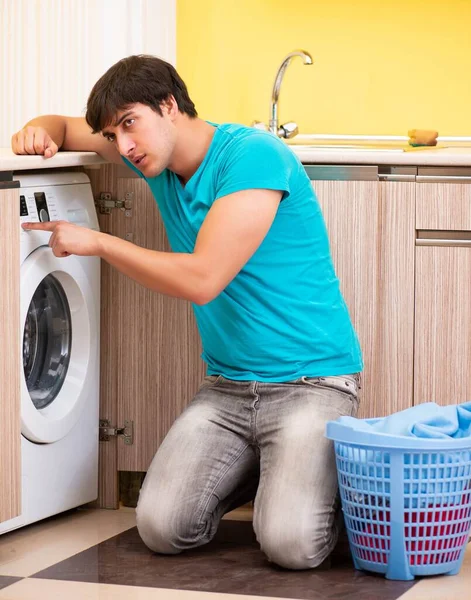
(406, 501)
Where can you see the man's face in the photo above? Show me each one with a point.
(144, 137)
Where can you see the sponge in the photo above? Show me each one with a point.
(422, 137)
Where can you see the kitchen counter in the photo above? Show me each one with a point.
(432, 157)
(10, 162)
(448, 156)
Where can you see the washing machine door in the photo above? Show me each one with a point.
(59, 340)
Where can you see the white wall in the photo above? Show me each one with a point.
(53, 51)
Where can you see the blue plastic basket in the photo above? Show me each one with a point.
(406, 501)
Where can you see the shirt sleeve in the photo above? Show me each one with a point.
(259, 161)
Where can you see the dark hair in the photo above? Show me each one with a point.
(140, 79)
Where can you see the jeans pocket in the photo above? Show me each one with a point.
(210, 381)
(347, 386)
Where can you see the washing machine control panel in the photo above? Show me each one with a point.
(63, 196)
(65, 201)
(38, 206)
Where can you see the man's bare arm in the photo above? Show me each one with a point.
(47, 134)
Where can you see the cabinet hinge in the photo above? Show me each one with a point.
(107, 431)
(105, 203)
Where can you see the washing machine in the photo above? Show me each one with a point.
(59, 362)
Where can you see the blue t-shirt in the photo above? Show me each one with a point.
(283, 316)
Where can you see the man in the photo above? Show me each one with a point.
(250, 251)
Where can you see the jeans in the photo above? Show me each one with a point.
(240, 440)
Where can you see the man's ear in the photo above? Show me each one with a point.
(169, 106)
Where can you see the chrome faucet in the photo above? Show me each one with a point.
(290, 129)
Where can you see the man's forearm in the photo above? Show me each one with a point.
(55, 125)
(174, 274)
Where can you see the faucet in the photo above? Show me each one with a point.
(290, 129)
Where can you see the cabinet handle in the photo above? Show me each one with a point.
(458, 239)
(442, 179)
(444, 175)
(342, 172)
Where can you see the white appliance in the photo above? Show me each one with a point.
(59, 362)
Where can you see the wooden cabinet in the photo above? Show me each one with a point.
(442, 358)
(402, 252)
(10, 426)
(371, 232)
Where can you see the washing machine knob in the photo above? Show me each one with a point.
(43, 215)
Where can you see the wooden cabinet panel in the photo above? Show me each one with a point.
(443, 325)
(371, 231)
(151, 365)
(158, 362)
(10, 424)
(443, 206)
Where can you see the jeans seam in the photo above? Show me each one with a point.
(326, 530)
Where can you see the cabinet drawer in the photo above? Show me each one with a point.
(443, 206)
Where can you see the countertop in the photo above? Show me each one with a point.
(448, 156)
(445, 157)
(14, 162)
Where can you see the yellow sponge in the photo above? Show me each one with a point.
(422, 137)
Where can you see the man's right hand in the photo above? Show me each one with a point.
(33, 140)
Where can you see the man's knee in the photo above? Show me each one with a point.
(293, 548)
(167, 527)
(155, 526)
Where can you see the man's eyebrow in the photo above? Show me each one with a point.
(120, 120)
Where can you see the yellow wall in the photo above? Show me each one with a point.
(381, 66)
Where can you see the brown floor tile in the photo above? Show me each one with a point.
(38, 546)
(6, 581)
(231, 563)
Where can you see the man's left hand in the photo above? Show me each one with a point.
(67, 238)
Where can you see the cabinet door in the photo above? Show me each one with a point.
(371, 232)
(159, 362)
(10, 424)
(150, 348)
(443, 294)
(443, 325)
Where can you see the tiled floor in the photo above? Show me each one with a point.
(98, 555)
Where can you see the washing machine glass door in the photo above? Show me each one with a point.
(59, 344)
(47, 342)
